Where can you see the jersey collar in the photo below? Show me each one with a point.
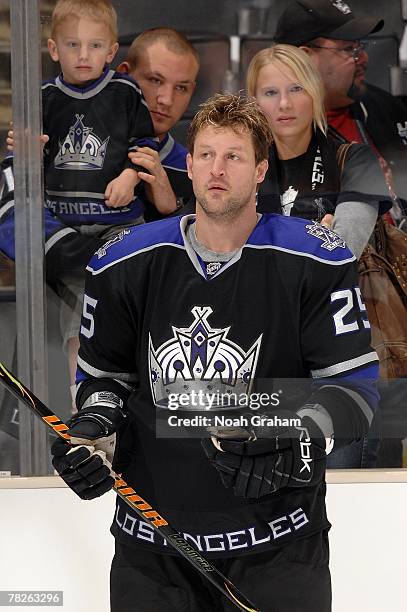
(194, 257)
(82, 93)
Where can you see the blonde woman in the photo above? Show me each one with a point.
(305, 176)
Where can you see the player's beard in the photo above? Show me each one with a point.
(231, 207)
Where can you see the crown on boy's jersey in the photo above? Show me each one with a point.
(81, 149)
(200, 358)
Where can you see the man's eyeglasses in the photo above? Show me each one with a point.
(354, 51)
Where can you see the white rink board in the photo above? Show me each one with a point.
(51, 540)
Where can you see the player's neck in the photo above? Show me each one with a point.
(223, 235)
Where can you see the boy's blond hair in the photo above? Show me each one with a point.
(98, 10)
(237, 112)
(300, 64)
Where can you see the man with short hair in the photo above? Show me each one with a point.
(227, 302)
(165, 65)
(331, 33)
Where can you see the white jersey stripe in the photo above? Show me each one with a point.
(338, 368)
(126, 376)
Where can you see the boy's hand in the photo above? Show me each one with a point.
(158, 186)
(120, 191)
(10, 140)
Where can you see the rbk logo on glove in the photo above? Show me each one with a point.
(305, 449)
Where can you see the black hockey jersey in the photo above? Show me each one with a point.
(285, 306)
(91, 132)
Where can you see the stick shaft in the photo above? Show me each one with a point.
(135, 501)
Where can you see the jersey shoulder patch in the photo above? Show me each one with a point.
(300, 237)
(133, 241)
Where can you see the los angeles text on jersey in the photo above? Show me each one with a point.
(248, 538)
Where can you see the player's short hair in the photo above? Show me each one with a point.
(235, 111)
(172, 39)
(301, 65)
(98, 10)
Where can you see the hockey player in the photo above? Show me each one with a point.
(222, 302)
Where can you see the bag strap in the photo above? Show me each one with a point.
(341, 153)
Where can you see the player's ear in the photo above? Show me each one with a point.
(124, 67)
(189, 165)
(53, 49)
(112, 52)
(261, 170)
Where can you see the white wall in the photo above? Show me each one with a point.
(49, 539)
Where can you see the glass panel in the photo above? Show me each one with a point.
(214, 52)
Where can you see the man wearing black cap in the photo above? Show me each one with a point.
(331, 33)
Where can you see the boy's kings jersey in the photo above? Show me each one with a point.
(286, 306)
(91, 131)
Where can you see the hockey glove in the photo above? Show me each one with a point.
(85, 464)
(258, 466)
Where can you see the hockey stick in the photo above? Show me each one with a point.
(135, 501)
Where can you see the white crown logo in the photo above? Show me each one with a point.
(81, 149)
(200, 358)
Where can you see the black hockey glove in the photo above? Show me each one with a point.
(86, 463)
(260, 465)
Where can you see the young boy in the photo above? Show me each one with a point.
(92, 118)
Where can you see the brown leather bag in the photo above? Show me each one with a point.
(383, 282)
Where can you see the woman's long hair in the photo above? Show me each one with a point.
(301, 65)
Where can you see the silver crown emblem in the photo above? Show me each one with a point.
(202, 359)
(330, 240)
(81, 149)
(103, 249)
